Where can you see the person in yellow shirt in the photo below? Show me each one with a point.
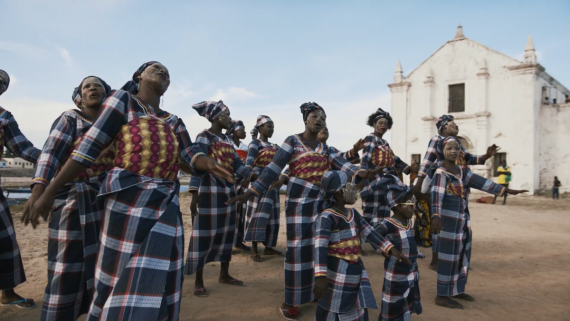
(504, 178)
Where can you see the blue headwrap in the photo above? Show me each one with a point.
(442, 121)
(132, 86)
(332, 182)
(76, 96)
(6, 77)
(307, 108)
(236, 124)
(261, 119)
(210, 109)
(380, 113)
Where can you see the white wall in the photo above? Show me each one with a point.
(512, 98)
(554, 146)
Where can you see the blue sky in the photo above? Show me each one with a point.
(260, 57)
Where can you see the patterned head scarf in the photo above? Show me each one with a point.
(261, 119)
(332, 182)
(236, 124)
(307, 108)
(442, 121)
(76, 96)
(380, 113)
(132, 86)
(210, 109)
(396, 189)
(6, 78)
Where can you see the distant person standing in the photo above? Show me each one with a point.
(556, 188)
(504, 178)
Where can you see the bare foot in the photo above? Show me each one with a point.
(446, 302)
(272, 251)
(433, 266)
(230, 281)
(256, 258)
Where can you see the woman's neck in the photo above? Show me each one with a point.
(310, 138)
(379, 135)
(400, 218)
(91, 112)
(150, 97)
(236, 140)
(263, 138)
(216, 128)
(340, 206)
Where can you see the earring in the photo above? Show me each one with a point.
(138, 86)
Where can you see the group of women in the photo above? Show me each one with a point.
(107, 179)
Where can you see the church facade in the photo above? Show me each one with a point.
(495, 99)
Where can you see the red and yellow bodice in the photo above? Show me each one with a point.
(310, 166)
(455, 189)
(224, 153)
(348, 250)
(460, 161)
(264, 157)
(147, 146)
(383, 156)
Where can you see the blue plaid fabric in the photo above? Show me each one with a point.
(449, 203)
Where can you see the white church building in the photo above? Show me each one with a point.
(495, 99)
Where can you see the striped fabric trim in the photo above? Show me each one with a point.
(40, 181)
(84, 157)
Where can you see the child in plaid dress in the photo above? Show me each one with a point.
(400, 291)
(213, 229)
(11, 266)
(262, 216)
(342, 285)
(451, 220)
(74, 221)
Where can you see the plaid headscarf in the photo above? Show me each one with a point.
(332, 182)
(132, 86)
(236, 124)
(442, 121)
(307, 108)
(210, 109)
(5, 75)
(380, 113)
(76, 96)
(261, 119)
(396, 189)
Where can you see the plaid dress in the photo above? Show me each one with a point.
(302, 205)
(239, 189)
(449, 203)
(11, 266)
(429, 165)
(214, 227)
(138, 275)
(400, 291)
(337, 256)
(263, 212)
(74, 222)
(377, 153)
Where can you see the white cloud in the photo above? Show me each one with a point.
(66, 56)
(233, 94)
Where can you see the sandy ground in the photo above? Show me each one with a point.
(520, 261)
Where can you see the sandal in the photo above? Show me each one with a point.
(201, 292)
(292, 313)
(30, 304)
(233, 281)
(256, 258)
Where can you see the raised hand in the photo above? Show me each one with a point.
(207, 164)
(492, 150)
(359, 145)
(321, 287)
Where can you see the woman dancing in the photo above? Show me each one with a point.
(214, 227)
(141, 228)
(308, 160)
(74, 221)
(11, 266)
